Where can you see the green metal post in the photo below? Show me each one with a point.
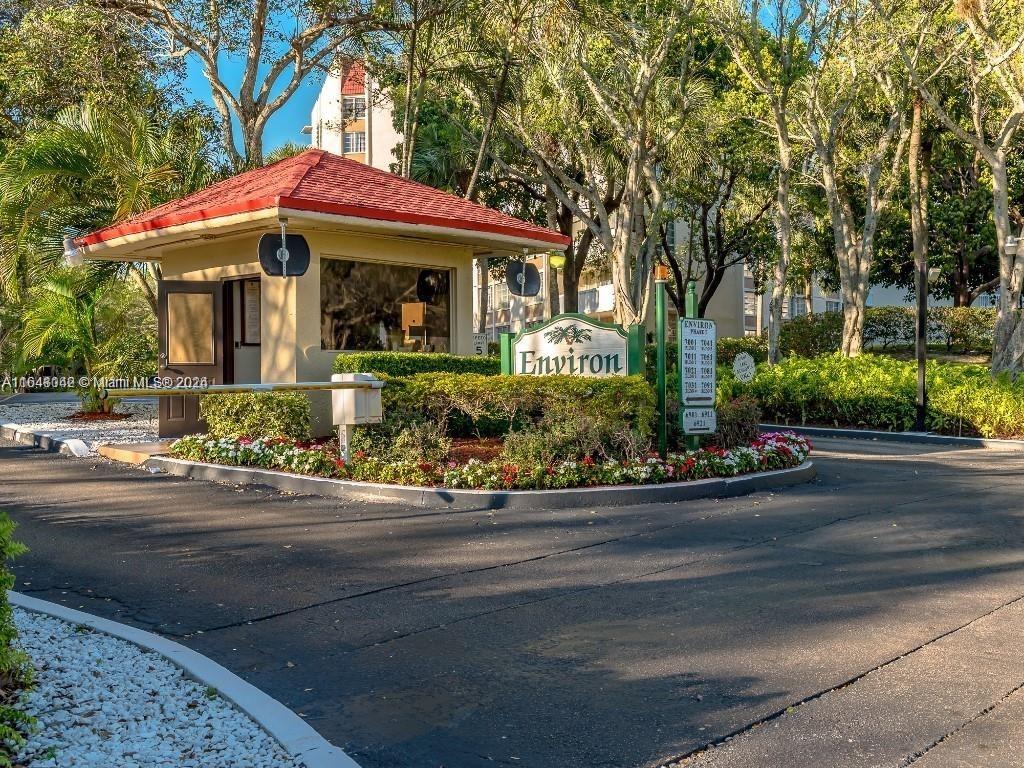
(661, 321)
(692, 441)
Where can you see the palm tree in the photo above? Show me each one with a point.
(89, 167)
(283, 152)
(88, 324)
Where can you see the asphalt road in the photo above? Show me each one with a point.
(880, 610)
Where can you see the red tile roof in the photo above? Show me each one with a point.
(355, 80)
(322, 182)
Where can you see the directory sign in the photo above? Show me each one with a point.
(697, 358)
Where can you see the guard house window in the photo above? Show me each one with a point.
(355, 142)
(354, 107)
(833, 306)
(368, 305)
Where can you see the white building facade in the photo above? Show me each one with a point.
(352, 117)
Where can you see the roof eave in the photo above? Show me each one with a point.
(145, 243)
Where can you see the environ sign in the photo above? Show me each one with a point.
(572, 345)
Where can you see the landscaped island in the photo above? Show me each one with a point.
(776, 450)
(453, 422)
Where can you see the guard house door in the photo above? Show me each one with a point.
(191, 337)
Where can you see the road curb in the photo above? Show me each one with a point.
(298, 738)
(69, 446)
(926, 438)
(473, 500)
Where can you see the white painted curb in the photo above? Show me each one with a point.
(296, 736)
(45, 440)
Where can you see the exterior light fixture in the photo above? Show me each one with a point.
(661, 271)
(933, 274)
(556, 259)
(1012, 244)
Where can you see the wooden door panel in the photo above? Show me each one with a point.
(191, 343)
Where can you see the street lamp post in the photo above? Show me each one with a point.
(660, 332)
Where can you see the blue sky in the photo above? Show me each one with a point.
(286, 123)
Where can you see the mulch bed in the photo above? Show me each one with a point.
(82, 416)
(466, 448)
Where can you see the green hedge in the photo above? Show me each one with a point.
(957, 328)
(590, 413)
(410, 363)
(879, 392)
(257, 414)
(812, 335)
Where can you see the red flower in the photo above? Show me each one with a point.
(339, 463)
(360, 454)
(588, 461)
(426, 466)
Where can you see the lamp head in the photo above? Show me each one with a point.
(556, 259)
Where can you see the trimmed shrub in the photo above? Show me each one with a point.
(879, 392)
(812, 335)
(410, 363)
(962, 328)
(738, 421)
(421, 442)
(257, 414)
(616, 412)
(15, 667)
(755, 346)
(889, 326)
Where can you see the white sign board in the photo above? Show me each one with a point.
(697, 359)
(744, 367)
(479, 343)
(699, 421)
(571, 345)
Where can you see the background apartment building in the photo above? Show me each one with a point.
(353, 117)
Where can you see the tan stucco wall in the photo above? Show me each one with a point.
(290, 325)
(726, 306)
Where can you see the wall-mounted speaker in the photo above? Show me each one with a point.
(523, 279)
(298, 255)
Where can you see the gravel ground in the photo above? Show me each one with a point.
(53, 419)
(103, 702)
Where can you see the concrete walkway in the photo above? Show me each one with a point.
(887, 597)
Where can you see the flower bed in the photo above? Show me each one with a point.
(770, 451)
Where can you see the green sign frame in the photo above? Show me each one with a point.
(633, 335)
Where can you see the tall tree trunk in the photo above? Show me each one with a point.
(571, 283)
(485, 138)
(626, 310)
(407, 116)
(854, 306)
(553, 303)
(785, 229)
(1008, 343)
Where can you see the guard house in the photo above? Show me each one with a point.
(390, 267)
